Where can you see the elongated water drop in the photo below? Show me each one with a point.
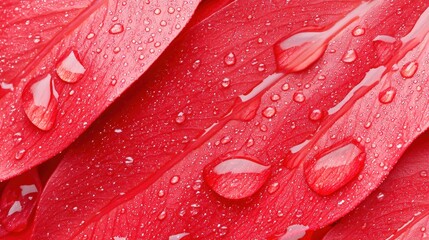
(70, 69)
(334, 167)
(350, 56)
(236, 178)
(40, 102)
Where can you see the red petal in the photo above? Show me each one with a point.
(398, 209)
(89, 52)
(139, 172)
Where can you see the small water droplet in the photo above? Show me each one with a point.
(358, 31)
(162, 215)
(180, 118)
(334, 167)
(161, 193)
(316, 115)
(380, 196)
(19, 154)
(70, 69)
(116, 28)
(116, 50)
(272, 188)
(90, 35)
(157, 11)
(387, 95)
(236, 178)
(174, 179)
(275, 97)
(269, 112)
(229, 59)
(298, 97)
(226, 82)
(350, 56)
(196, 64)
(171, 10)
(261, 67)
(129, 160)
(285, 87)
(409, 69)
(40, 102)
(423, 173)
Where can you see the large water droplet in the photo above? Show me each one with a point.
(236, 178)
(230, 59)
(269, 112)
(358, 31)
(409, 69)
(40, 103)
(387, 95)
(316, 115)
(70, 69)
(298, 97)
(116, 28)
(334, 167)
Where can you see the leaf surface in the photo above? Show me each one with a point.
(237, 88)
(398, 209)
(63, 63)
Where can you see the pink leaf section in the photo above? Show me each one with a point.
(398, 209)
(17, 202)
(220, 94)
(63, 63)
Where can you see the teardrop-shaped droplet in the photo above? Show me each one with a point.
(230, 59)
(40, 102)
(409, 69)
(387, 95)
(236, 178)
(350, 56)
(116, 28)
(334, 167)
(70, 69)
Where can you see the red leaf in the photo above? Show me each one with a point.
(64, 62)
(220, 94)
(398, 209)
(17, 202)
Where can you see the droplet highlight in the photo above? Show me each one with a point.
(236, 178)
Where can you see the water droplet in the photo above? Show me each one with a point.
(180, 118)
(40, 103)
(70, 69)
(269, 112)
(272, 188)
(261, 67)
(116, 50)
(90, 36)
(157, 11)
(316, 115)
(230, 59)
(334, 167)
(162, 215)
(19, 154)
(423, 173)
(116, 28)
(161, 193)
(350, 56)
(285, 87)
(358, 31)
(409, 69)
(387, 95)
(174, 179)
(380, 196)
(171, 10)
(226, 82)
(294, 232)
(236, 178)
(275, 97)
(178, 236)
(196, 64)
(298, 97)
(129, 160)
